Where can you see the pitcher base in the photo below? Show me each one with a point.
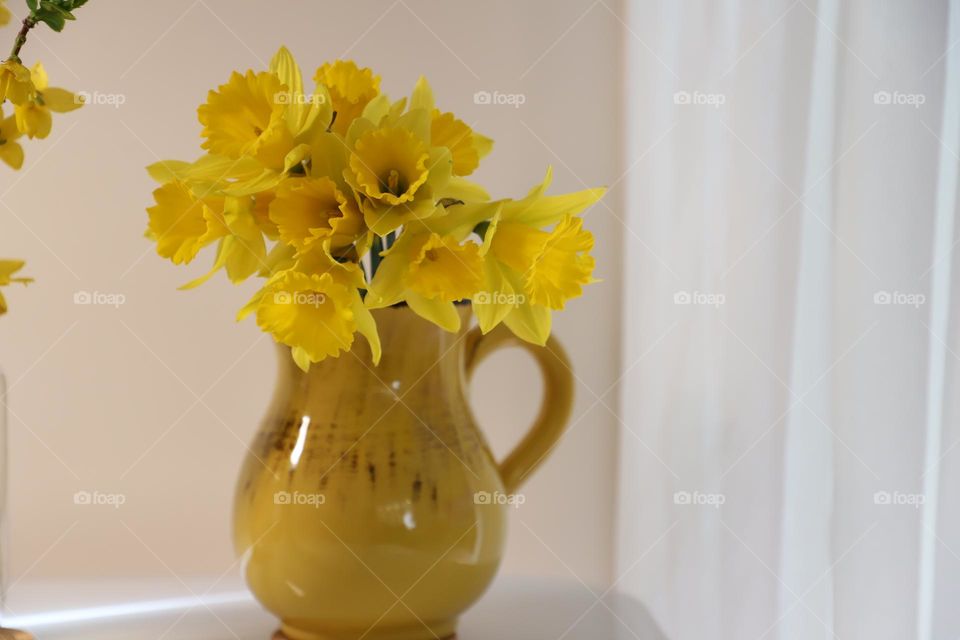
(443, 631)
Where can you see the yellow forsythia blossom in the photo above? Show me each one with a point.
(7, 269)
(34, 114)
(15, 83)
(10, 150)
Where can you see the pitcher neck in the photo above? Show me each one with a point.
(412, 349)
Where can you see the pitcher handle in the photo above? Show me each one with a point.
(554, 409)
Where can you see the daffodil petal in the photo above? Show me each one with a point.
(218, 264)
(443, 314)
(422, 96)
(367, 327)
(319, 114)
(301, 357)
(328, 158)
(418, 122)
(458, 188)
(266, 180)
(244, 249)
(387, 286)
(252, 304)
(497, 299)
(460, 220)
(286, 68)
(376, 109)
(530, 323)
(167, 170)
(297, 155)
(538, 210)
(281, 257)
(482, 144)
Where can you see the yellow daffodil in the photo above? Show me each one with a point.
(309, 209)
(182, 224)
(10, 150)
(398, 174)
(315, 308)
(7, 269)
(33, 115)
(554, 265)
(390, 165)
(4, 14)
(310, 313)
(442, 269)
(350, 88)
(303, 111)
(529, 271)
(15, 83)
(445, 132)
(429, 272)
(466, 147)
(398, 170)
(242, 250)
(247, 117)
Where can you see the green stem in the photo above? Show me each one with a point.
(481, 229)
(375, 258)
(28, 23)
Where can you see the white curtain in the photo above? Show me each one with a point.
(791, 389)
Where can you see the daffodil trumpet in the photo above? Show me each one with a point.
(344, 201)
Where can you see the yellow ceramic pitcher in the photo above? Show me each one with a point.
(370, 505)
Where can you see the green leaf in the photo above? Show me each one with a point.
(54, 21)
(54, 13)
(47, 6)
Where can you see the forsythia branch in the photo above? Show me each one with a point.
(28, 23)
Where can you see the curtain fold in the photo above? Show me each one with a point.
(790, 369)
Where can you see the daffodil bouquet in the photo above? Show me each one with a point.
(345, 201)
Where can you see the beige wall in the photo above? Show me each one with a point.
(155, 399)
